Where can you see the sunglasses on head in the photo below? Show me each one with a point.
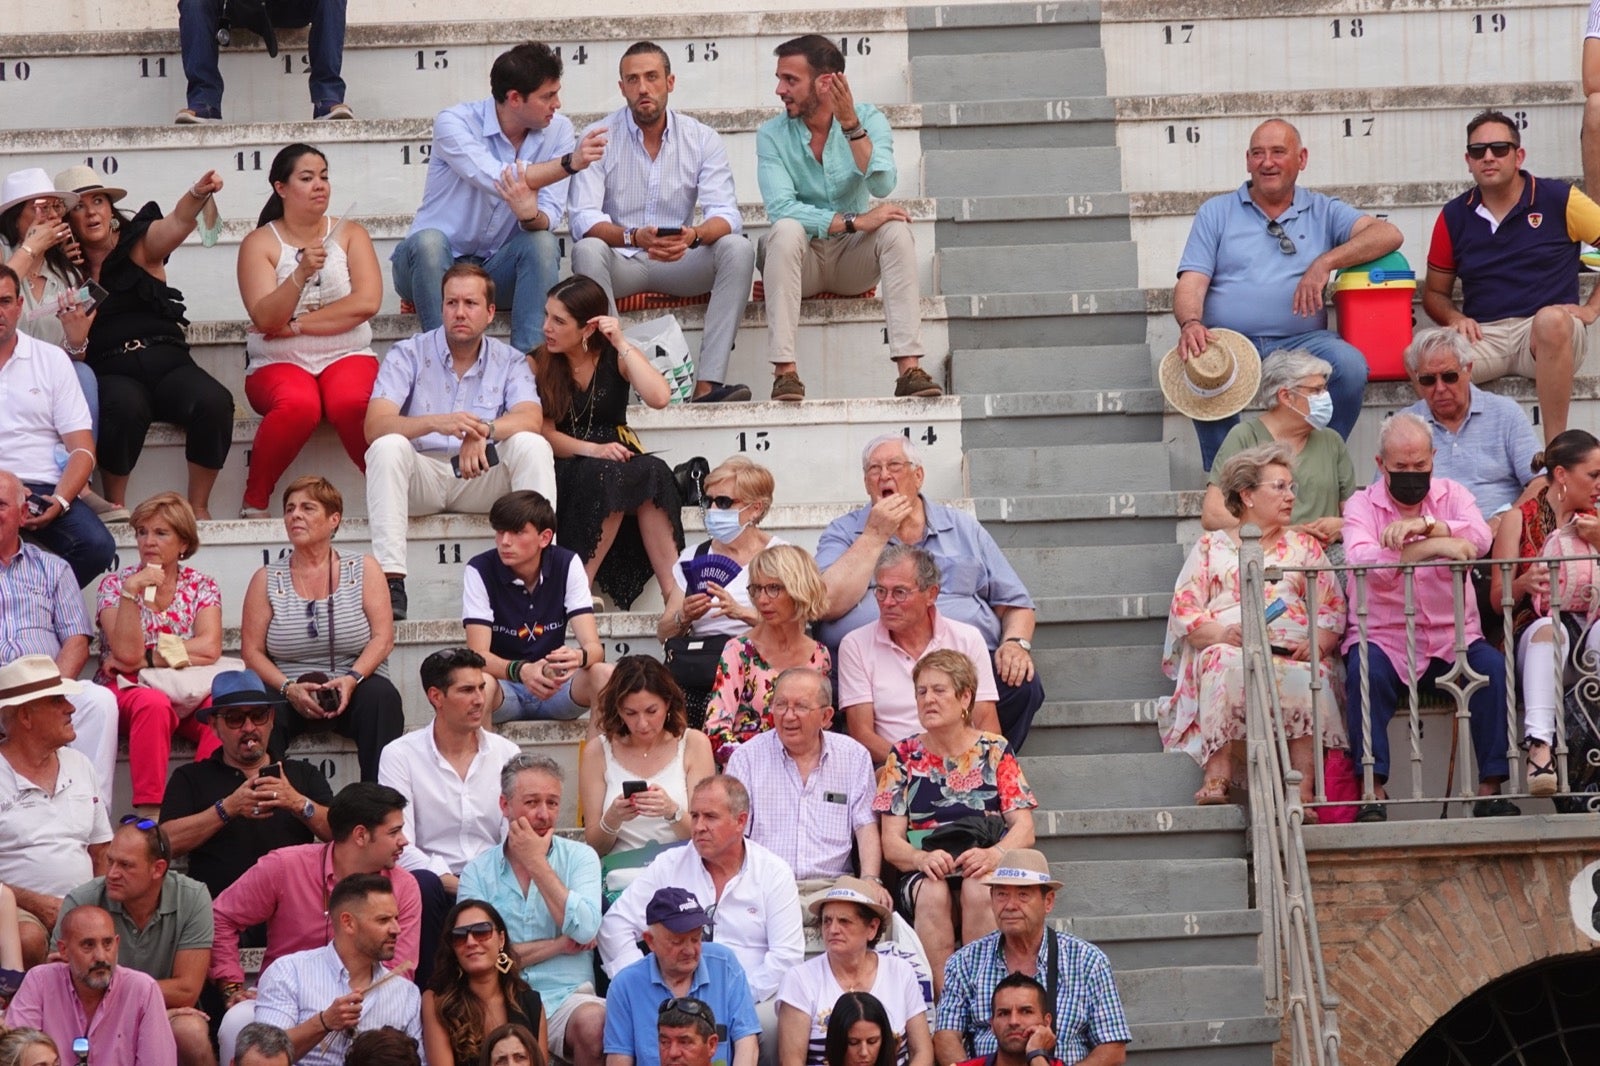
(1501, 149)
(149, 825)
(1449, 377)
(687, 1005)
(477, 931)
(236, 718)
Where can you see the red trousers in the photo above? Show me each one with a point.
(146, 717)
(292, 402)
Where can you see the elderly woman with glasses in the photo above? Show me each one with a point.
(789, 595)
(1205, 717)
(1294, 391)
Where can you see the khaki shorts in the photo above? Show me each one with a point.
(1507, 348)
(556, 1022)
(29, 918)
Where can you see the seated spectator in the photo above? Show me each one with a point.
(757, 907)
(450, 771)
(53, 824)
(737, 496)
(978, 584)
(311, 286)
(1408, 516)
(623, 207)
(1023, 1026)
(27, 1047)
(495, 189)
(323, 996)
(512, 1045)
(43, 609)
(824, 235)
(1204, 651)
(226, 811)
(261, 1044)
(1258, 261)
(335, 681)
(789, 595)
(947, 772)
(475, 987)
(859, 1033)
(384, 1046)
(547, 888)
(1481, 441)
(686, 1032)
(811, 789)
(875, 661)
(1086, 1015)
(454, 424)
(163, 925)
(518, 601)
(622, 507)
(288, 890)
(10, 938)
(47, 412)
(200, 38)
(1519, 282)
(88, 994)
(137, 344)
(157, 612)
(682, 962)
(852, 922)
(643, 738)
(1294, 391)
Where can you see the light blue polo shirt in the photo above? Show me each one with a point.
(1252, 280)
(1492, 454)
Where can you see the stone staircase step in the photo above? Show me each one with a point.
(1069, 266)
(1138, 832)
(1026, 171)
(1091, 506)
(1012, 74)
(1095, 727)
(1139, 941)
(991, 419)
(1023, 469)
(1115, 371)
(1101, 782)
(1108, 672)
(1247, 1041)
(1102, 571)
(1105, 888)
(1190, 993)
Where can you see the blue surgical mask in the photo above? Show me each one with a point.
(1319, 410)
(723, 525)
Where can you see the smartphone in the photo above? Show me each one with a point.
(669, 231)
(633, 788)
(37, 504)
(272, 769)
(90, 296)
(491, 453)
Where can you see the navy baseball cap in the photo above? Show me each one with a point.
(675, 908)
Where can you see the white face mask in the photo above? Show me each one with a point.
(1319, 411)
(723, 525)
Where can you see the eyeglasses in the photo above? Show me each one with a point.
(708, 932)
(1307, 390)
(1285, 244)
(772, 590)
(1291, 487)
(722, 503)
(477, 930)
(687, 1005)
(784, 707)
(1501, 149)
(311, 620)
(235, 719)
(899, 594)
(147, 825)
(51, 207)
(894, 468)
(1449, 377)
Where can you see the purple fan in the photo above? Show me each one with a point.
(703, 568)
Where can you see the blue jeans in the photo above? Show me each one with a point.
(78, 536)
(197, 35)
(523, 268)
(521, 705)
(1387, 690)
(1346, 385)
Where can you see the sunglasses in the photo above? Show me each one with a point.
(1285, 244)
(687, 1005)
(1501, 149)
(147, 825)
(235, 719)
(1449, 377)
(311, 620)
(477, 931)
(722, 503)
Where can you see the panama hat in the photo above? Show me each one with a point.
(82, 180)
(33, 677)
(1217, 382)
(31, 184)
(850, 890)
(1023, 866)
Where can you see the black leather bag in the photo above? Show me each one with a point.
(963, 834)
(691, 477)
(692, 661)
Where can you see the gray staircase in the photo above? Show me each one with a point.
(1064, 457)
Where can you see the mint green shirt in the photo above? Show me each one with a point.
(794, 185)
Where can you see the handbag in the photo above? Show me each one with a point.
(965, 833)
(692, 660)
(186, 686)
(691, 477)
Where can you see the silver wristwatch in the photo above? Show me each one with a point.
(1023, 642)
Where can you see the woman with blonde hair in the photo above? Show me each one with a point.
(28, 1047)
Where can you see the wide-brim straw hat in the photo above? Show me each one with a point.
(850, 890)
(32, 183)
(33, 677)
(1023, 866)
(1217, 382)
(83, 180)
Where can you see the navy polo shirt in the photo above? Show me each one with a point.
(525, 623)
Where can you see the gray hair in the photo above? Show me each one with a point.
(923, 565)
(523, 762)
(1242, 472)
(912, 453)
(817, 677)
(15, 1042)
(732, 787)
(7, 477)
(1400, 424)
(1431, 340)
(1286, 368)
(265, 1040)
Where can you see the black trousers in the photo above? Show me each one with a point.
(373, 717)
(160, 384)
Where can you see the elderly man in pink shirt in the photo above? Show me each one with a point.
(118, 1009)
(1409, 516)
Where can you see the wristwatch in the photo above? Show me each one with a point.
(849, 221)
(1026, 644)
(65, 504)
(566, 164)
(309, 811)
(677, 816)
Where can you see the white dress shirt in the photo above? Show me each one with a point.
(300, 984)
(448, 821)
(757, 916)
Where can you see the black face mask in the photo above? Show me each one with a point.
(1409, 487)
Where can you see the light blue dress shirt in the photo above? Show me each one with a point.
(1492, 453)
(417, 376)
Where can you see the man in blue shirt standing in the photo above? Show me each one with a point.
(818, 163)
(1257, 261)
(497, 186)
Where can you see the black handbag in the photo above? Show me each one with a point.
(692, 660)
(963, 834)
(690, 476)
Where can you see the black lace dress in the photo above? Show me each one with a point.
(590, 489)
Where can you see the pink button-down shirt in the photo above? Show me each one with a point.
(129, 1028)
(1366, 516)
(288, 889)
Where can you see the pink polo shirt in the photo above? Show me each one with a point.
(874, 669)
(129, 1028)
(288, 889)
(1366, 515)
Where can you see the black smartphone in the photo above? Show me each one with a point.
(90, 296)
(669, 231)
(633, 788)
(490, 453)
(272, 769)
(37, 504)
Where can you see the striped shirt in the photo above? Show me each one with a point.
(808, 824)
(297, 986)
(629, 188)
(40, 605)
(297, 635)
(1594, 19)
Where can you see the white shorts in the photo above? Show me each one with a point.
(556, 1021)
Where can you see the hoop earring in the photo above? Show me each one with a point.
(504, 963)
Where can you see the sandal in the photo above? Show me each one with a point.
(1212, 793)
(1541, 779)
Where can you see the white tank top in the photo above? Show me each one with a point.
(332, 282)
(672, 780)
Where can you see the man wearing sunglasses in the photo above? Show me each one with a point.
(1513, 241)
(163, 925)
(1257, 261)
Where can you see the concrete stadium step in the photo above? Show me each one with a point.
(1085, 467)
(1026, 171)
(1104, 672)
(1109, 369)
(1095, 727)
(1005, 126)
(1007, 320)
(1138, 832)
(1030, 75)
(1101, 782)
(1156, 505)
(1187, 48)
(1107, 888)
(957, 29)
(994, 420)
(1139, 941)
(988, 221)
(1185, 993)
(1248, 1041)
(1099, 571)
(1067, 266)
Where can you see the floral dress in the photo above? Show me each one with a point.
(1206, 712)
(195, 592)
(741, 693)
(931, 790)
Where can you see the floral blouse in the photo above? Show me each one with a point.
(741, 693)
(931, 790)
(196, 592)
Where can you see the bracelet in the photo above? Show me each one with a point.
(585, 660)
(606, 829)
(222, 813)
(202, 197)
(229, 989)
(31, 253)
(855, 134)
(1185, 324)
(283, 689)
(326, 1028)
(76, 350)
(514, 669)
(130, 597)
(298, 284)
